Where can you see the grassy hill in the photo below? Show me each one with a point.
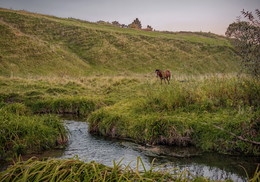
(34, 44)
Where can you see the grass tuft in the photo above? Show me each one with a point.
(76, 170)
(23, 133)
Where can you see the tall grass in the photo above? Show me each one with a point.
(66, 105)
(23, 133)
(211, 113)
(207, 94)
(76, 170)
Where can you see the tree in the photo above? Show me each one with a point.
(116, 23)
(124, 26)
(149, 27)
(246, 39)
(136, 24)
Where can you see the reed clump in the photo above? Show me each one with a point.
(24, 133)
(76, 170)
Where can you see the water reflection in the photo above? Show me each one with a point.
(102, 150)
(88, 147)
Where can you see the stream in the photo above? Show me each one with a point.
(104, 150)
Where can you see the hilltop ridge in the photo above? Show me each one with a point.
(36, 44)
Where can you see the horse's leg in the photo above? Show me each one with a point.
(168, 79)
(164, 80)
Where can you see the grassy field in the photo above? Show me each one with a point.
(40, 45)
(211, 113)
(215, 113)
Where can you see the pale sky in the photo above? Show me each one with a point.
(172, 15)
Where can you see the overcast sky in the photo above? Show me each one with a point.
(172, 15)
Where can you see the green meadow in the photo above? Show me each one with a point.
(215, 113)
(210, 112)
(40, 45)
(52, 66)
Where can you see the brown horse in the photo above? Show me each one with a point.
(164, 75)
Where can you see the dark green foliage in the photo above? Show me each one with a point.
(136, 24)
(246, 36)
(10, 97)
(23, 133)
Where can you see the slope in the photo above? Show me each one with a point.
(34, 44)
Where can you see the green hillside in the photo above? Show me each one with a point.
(33, 44)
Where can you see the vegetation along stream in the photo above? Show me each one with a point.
(103, 150)
(105, 74)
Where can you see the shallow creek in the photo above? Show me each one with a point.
(103, 150)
